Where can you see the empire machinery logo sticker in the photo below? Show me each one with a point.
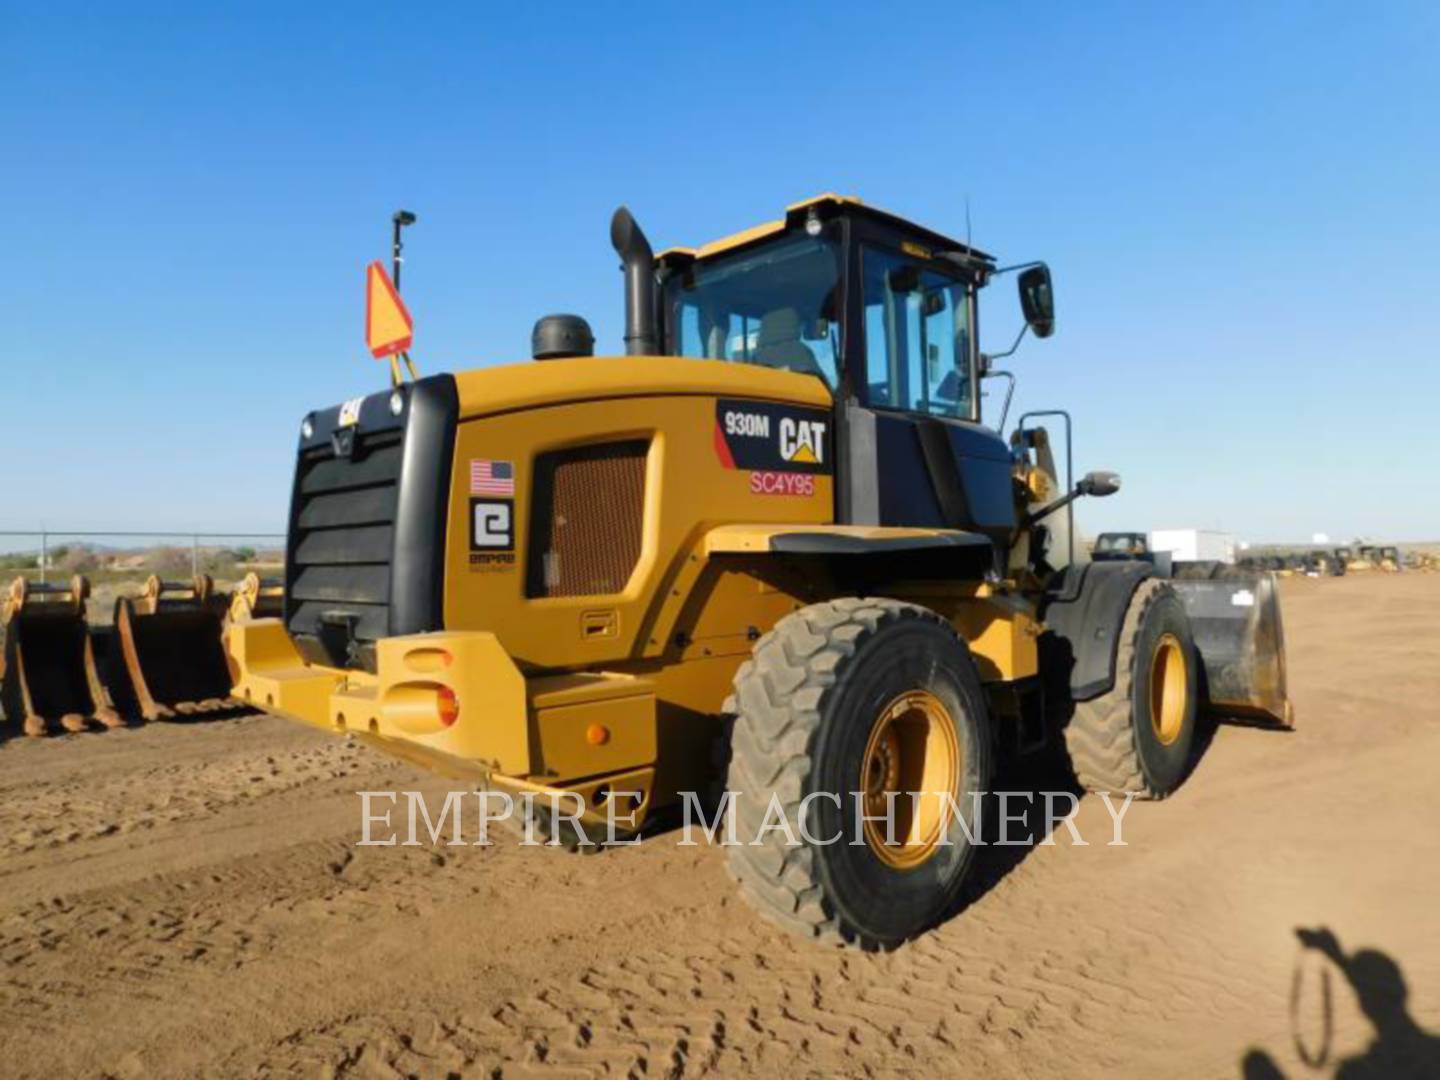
(492, 514)
(782, 447)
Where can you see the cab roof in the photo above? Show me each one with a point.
(828, 204)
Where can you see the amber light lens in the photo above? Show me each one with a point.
(448, 705)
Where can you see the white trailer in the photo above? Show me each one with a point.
(1194, 545)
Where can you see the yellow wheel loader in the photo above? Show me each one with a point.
(1367, 557)
(775, 549)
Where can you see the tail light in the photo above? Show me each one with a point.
(420, 708)
(448, 705)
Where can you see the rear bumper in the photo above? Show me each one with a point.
(589, 733)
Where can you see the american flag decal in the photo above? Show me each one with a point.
(491, 477)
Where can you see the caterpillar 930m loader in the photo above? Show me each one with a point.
(780, 525)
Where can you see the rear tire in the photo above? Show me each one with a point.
(1137, 738)
(846, 700)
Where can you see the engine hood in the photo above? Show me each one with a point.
(536, 385)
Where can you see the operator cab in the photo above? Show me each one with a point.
(885, 313)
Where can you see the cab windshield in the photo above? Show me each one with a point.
(774, 305)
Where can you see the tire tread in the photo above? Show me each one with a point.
(1100, 738)
(780, 697)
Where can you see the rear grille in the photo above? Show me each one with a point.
(368, 513)
(341, 543)
(585, 525)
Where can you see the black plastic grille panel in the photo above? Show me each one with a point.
(342, 544)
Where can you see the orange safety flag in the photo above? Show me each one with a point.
(388, 325)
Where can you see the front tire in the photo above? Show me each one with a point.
(840, 704)
(1138, 737)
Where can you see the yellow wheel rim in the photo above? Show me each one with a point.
(912, 748)
(1168, 691)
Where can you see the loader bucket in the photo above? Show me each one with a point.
(169, 641)
(1235, 617)
(50, 676)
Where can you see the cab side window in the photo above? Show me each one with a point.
(917, 337)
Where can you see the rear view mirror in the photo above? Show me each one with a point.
(1099, 484)
(1037, 300)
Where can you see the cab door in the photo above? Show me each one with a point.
(917, 452)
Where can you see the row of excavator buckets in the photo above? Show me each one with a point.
(163, 657)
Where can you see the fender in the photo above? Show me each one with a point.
(835, 539)
(1082, 618)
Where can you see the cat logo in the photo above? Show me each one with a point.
(802, 441)
(771, 437)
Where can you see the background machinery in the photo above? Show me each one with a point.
(775, 548)
(1110, 546)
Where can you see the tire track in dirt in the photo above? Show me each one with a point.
(53, 811)
(299, 954)
(737, 997)
(151, 939)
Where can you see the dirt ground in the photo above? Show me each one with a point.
(188, 900)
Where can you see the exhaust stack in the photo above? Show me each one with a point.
(638, 262)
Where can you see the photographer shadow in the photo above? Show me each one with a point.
(1400, 1047)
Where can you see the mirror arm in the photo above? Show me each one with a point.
(1046, 511)
(1017, 266)
(1011, 350)
(1086, 486)
(1081, 489)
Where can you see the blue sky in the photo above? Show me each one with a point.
(1239, 203)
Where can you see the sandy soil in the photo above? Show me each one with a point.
(186, 900)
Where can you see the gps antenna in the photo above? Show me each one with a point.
(400, 219)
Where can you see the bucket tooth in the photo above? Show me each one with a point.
(50, 677)
(170, 645)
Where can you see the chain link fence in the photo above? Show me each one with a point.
(98, 543)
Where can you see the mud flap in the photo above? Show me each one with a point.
(169, 649)
(1238, 632)
(50, 676)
